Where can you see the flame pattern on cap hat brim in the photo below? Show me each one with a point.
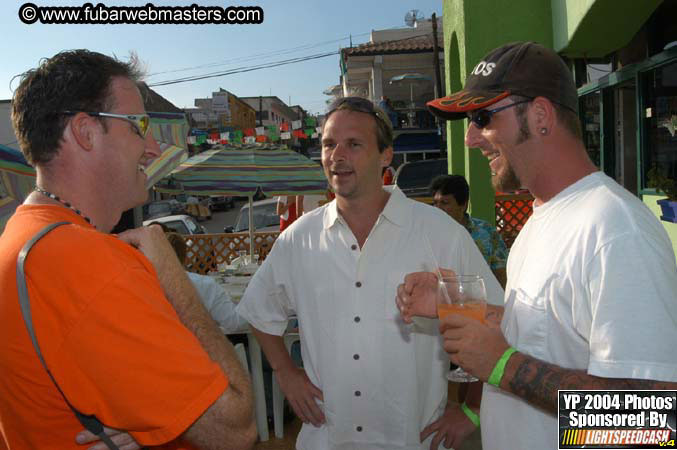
(456, 105)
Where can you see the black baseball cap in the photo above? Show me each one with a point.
(527, 69)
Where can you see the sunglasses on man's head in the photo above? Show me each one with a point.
(359, 104)
(482, 117)
(140, 121)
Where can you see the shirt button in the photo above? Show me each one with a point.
(359, 429)
(356, 357)
(358, 284)
(353, 247)
(358, 393)
(357, 318)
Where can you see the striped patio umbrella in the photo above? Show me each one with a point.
(241, 171)
(17, 180)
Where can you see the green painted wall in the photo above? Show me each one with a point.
(471, 29)
(577, 24)
(671, 228)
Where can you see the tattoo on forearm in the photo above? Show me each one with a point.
(537, 382)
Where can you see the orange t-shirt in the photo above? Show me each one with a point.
(107, 333)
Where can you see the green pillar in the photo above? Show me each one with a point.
(471, 29)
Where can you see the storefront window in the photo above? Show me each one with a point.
(590, 115)
(660, 120)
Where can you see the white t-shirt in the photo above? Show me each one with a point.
(283, 200)
(218, 303)
(592, 285)
(382, 381)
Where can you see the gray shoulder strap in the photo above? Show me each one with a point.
(23, 290)
(91, 423)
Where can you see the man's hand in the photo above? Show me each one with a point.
(417, 296)
(123, 440)
(301, 394)
(450, 429)
(152, 242)
(472, 345)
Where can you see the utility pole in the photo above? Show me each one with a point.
(436, 59)
(260, 110)
(438, 80)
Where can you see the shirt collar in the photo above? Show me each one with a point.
(396, 210)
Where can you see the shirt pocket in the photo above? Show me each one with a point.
(526, 323)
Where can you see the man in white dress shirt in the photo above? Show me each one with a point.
(369, 381)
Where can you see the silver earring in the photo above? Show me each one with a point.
(544, 131)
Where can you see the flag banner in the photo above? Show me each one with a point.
(295, 125)
(260, 131)
(237, 137)
(309, 131)
(249, 132)
(314, 135)
(225, 135)
(310, 121)
(319, 130)
(300, 134)
(223, 141)
(285, 135)
(249, 140)
(192, 140)
(201, 139)
(274, 137)
(260, 138)
(284, 126)
(215, 136)
(271, 129)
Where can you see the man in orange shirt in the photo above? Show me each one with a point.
(119, 325)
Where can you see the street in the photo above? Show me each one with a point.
(221, 219)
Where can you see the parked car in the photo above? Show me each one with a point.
(181, 223)
(221, 202)
(184, 224)
(265, 217)
(414, 178)
(162, 208)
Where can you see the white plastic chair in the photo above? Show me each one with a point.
(259, 394)
(242, 356)
(278, 396)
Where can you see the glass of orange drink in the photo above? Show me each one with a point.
(465, 295)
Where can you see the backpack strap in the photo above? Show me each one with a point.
(91, 423)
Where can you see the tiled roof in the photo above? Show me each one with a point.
(417, 44)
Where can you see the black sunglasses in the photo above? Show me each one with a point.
(359, 104)
(482, 117)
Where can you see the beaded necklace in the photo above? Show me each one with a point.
(65, 203)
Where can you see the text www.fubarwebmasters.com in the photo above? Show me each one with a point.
(148, 14)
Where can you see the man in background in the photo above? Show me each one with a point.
(451, 194)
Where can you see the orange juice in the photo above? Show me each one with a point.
(475, 311)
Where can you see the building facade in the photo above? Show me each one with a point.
(397, 68)
(270, 110)
(223, 111)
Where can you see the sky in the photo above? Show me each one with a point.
(291, 29)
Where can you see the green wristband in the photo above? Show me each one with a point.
(499, 368)
(474, 418)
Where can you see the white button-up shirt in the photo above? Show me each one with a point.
(382, 381)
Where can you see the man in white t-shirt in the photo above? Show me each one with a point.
(591, 297)
(368, 382)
